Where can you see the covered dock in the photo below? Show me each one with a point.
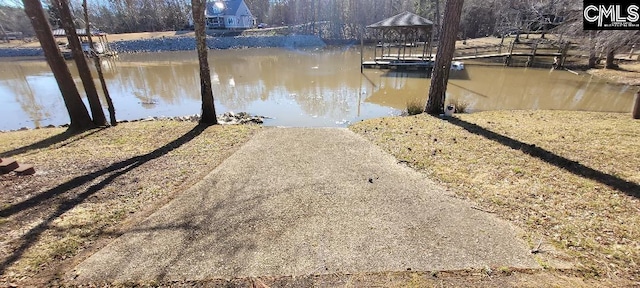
(100, 41)
(404, 43)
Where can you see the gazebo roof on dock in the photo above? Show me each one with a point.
(402, 20)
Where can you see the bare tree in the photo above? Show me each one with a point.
(208, 109)
(446, 47)
(608, 41)
(78, 114)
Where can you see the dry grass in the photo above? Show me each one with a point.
(628, 74)
(89, 186)
(564, 177)
(415, 107)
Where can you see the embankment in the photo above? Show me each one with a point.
(187, 43)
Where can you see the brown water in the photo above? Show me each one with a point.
(294, 87)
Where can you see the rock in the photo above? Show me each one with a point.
(231, 118)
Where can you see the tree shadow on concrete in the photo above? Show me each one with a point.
(574, 167)
(112, 172)
(213, 228)
(53, 140)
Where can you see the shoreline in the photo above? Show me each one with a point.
(186, 43)
(627, 74)
(228, 118)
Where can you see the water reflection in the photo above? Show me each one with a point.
(297, 88)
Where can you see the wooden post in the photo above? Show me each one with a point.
(534, 48)
(361, 54)
(424, 45)
(404, 46)
(507, 59)
(399, 42)
(636, 107)
(511, 47)
(5, 37)
(563, 57)
(431, 39)
(375, 52)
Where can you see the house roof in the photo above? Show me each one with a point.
(405, 19)
(80, 32)
(230, 7)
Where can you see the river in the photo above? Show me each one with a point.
(319, 87)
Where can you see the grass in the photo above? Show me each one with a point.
(564, 177)
(91, 186)
(627, 73)
(415, 107)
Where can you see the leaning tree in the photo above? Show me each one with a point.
(78, 114)
(66, 20)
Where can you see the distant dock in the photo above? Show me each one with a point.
(399, 64)
(424, 61)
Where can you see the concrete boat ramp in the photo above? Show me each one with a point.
(302, 201)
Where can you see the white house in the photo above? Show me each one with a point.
(228, 14)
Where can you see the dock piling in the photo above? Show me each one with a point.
(636, 107)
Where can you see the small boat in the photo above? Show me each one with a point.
(457, 66)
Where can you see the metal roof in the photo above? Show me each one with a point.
(402, 20)
(229, 7)
(80, 32)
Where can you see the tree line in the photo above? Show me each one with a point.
(330, 19)
(340, 19)
(478, 17)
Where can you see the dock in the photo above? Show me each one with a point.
(505, 54)
(530, 51)
(403, 64)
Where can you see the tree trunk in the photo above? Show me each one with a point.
(83, 68)
(208, 108)
(610, 57)
(442, 66)
(436, 18)
(96, 62)
(78, 114)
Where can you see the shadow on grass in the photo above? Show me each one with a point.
(55, 139)
(574, 167)
(112, 172)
